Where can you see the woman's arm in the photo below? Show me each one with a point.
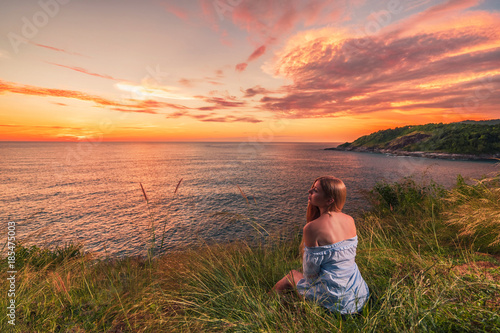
(310, 263)
(309, 235)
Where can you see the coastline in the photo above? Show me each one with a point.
(425, 154)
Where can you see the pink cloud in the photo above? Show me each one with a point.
(221, 102)
(186, 82)
(444, 70)
(215, 83)
(257, 90)
(219, 73)
(141, 110)
(56, 49)
(241, 67)
(225, 119)
(269, 21)
(193, 82)
(214, 117)
(439, 11)
(257, 53)
(177, 11)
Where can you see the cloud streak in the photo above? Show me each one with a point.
(10, 87)
(56, 49)
(85, 71)
(145, 106)
(215, 118)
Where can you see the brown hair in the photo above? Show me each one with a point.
(333, 188)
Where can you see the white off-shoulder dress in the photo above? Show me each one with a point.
(332, 278)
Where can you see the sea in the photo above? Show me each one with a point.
(118, 199)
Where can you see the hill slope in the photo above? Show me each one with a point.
(463, 140)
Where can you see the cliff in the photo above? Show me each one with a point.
(468, 140)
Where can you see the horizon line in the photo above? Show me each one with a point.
(104, 141)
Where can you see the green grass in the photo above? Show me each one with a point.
(424, 273)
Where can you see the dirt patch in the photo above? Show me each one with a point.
(480, 269)
(407, 140)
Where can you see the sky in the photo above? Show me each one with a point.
(243, 70)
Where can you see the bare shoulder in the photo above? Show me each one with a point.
(347, 218)
(328, 229)
(314, 230)
(310, 234)
(345, 226)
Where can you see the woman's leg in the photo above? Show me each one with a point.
(288, 282)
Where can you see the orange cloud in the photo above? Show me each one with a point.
(11, 87)
(148, 106)
(40, 126)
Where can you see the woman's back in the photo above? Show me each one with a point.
(328, 229)
(330, 275)
(332, 278)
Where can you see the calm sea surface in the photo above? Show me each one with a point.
(90, 193)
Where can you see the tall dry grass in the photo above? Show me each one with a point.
(475, 212)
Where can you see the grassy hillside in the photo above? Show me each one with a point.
(430, 256)
(456, 138)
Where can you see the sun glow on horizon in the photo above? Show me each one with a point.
(187, 72)
(143, 92)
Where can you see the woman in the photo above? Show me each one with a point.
(331, 277)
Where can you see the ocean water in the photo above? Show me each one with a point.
(90, 192)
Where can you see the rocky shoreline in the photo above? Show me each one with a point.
(446, 156)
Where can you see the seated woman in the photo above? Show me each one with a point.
(331, 277)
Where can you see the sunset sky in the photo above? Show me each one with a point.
(243, 70)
